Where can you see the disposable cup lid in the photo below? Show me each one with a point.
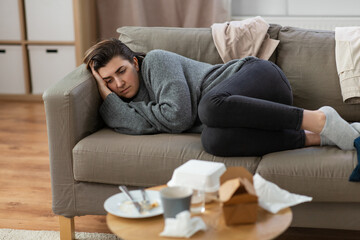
(198, 174)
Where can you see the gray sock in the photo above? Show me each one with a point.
(324, 141)
(356, 126)
(337, 130)
(327, 142)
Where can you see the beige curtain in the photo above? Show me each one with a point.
(113, 14)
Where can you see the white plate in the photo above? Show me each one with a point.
(120, 206)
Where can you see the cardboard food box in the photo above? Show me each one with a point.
(238, 196)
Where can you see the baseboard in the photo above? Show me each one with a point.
(21, 97)
(295, 233)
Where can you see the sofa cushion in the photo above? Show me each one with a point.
(194, 43)
(146, 160)
(307, 58)
(273, 31)
(319, 172)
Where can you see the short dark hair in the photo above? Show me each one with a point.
(102, 52)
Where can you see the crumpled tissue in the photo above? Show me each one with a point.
(272, 198)
(183, 225)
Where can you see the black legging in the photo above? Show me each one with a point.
(250, 114)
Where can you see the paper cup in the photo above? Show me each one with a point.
(175, 200)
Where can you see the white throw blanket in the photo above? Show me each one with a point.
(348, 62)
(238, 39)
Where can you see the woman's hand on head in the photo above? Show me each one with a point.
(102, 85)
(98, 78)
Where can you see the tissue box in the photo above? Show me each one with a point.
(238, 196)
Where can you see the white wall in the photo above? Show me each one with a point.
(311, 14)
(296, 7)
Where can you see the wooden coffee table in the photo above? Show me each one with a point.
(268, 225)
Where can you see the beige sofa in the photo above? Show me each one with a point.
(88, 161)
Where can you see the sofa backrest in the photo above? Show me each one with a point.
(194, 43)
(307, 58)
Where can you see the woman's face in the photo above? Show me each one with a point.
(121, 76)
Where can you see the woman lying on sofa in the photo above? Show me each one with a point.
(241, 108)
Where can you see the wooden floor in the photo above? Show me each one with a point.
(25, 191)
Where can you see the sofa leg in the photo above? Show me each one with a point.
(67, 228)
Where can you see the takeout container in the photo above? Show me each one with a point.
(238, 196)
(199, 175)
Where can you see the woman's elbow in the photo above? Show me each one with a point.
(176, 119)
(181, 124)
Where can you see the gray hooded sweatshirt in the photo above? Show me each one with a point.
(171, 87)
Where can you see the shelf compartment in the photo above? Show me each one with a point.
(9, 20)
(11, 70)
(49, 64)
(45, 20)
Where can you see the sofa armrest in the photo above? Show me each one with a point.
(71, 107)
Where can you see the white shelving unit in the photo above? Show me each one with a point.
(40, 42)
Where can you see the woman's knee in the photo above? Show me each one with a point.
(230, 142)
(222, 142)
(211, 141)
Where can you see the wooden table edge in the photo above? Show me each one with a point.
(285, 211)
